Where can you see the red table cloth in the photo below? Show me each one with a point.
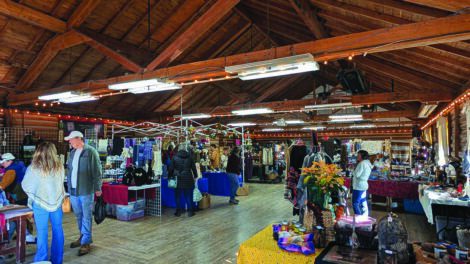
(394, 189)
(119, 194)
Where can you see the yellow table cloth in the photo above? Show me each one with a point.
(262, 248)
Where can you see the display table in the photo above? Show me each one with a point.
(120, 194)
(20, 216)
(168, 194)
(219, 183)
(392, 189)
(262, 248)
(430, 196)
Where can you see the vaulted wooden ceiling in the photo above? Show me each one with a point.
(74, 41)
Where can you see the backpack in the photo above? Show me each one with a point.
(128, 177)
(140, 177)
(393, 236)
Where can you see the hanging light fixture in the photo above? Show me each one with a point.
(241, 124)
(276, 67)
(272, 129)
(253, 111)
(78, 99)
(193, 116)
(145, 86)
(58, 96)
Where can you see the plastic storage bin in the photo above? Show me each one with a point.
(133, 206)
(413, 206)
(129, 216)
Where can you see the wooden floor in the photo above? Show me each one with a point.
(212, 236)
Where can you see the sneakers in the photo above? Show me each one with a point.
(85, 249)
(77, 243)
(234, 201)
(30, 239)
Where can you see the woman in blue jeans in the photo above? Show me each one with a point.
(234, 168)
(44, 185)
(360, 186)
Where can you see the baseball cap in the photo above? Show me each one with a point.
(7, 157)
(74, 134)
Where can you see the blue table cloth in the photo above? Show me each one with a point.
(219, 183)
(168, 194)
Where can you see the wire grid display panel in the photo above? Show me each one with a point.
(153, 206)
(11, 139)
(91, 137)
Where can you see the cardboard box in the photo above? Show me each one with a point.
(205, 202)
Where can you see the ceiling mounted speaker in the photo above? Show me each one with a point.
(352, 81)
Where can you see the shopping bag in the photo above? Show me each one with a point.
(243, 191)
(100, 210)
(205, 202)
(66, 207)
(197, 196)
(172, 183)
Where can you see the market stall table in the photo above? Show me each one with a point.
(262, 248)
(219, 183)
(168, 194)
(121, 194)
(19, 214)
(429, 197)
(390, 188)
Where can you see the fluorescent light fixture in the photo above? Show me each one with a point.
(145, 86)
(362, 126)
(272, 129)
(334, 117)
(155, 88)
(254, 111)
(194, 116)
(276, 67)
(283, 122)
(58, 96)
(346, 120)
(328, 106)
(240, 124)
(78, 99)
(426, 109)
(314, 128)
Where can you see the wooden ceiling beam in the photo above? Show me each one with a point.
(441, 30)
(280, 85)
(448, 5)
(47, 54)
(399, 97)
(309, 16)
(215, 13)
(31, 16)
(81, 13)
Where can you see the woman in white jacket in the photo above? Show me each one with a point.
(360, 186)
(44, 185)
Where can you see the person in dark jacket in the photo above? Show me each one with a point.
(234, 168)
(183, 167)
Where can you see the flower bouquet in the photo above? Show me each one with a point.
(321, 180)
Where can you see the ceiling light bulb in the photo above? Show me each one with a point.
(253, 111)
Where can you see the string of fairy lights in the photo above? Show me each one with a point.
(462, 98)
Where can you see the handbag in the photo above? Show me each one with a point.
(66, 208)
(197, 196)
(172, 183)
(100, 210)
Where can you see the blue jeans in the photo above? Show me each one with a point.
(83, 209)
(187, 201)
(233, 178)
(41, 218)
(359, 202)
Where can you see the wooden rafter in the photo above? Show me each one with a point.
(442, 30)
(217, 11)
(399, 97)
(449, 5)
(82, 12)
(308, 15)
(31, 16)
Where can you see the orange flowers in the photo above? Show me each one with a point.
(325, 176)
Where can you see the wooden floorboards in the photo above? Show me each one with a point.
(212, 236)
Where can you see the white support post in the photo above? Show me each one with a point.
(243, 155)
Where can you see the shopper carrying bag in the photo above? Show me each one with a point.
(44, 185)
(183, 169)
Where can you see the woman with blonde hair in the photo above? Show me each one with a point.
(44, 185)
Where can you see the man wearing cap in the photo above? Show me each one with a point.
(84, 181)
(11, 183)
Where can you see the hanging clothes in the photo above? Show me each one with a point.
(102, 145)
(268, 156)
(157, 160)
(248, 171)
(296, 158)
(443, 141)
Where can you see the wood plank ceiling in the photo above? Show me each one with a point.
(112, 38)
